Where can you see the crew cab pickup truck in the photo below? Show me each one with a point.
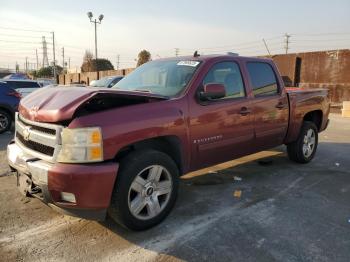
(120, 151)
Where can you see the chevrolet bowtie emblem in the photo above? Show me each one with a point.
(26, 133)
(34, 110)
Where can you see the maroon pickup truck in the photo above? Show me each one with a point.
(88, 152)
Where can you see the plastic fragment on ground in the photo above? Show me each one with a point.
(237, 193)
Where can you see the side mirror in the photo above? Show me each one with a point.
(213, 91)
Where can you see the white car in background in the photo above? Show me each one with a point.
(23, 86)
(106, 82)
(45, 82)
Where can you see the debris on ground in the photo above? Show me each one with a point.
(337, 164)
(237, 178)
(265, 162)
(25, 200)
(237, 193)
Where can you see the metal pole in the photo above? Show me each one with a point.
(54, 55)
(63, 58)
(287, 42)
(95, 40)
(37, 59)
(266, 46)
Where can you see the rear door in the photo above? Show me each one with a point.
(221, 129)
(270, 105)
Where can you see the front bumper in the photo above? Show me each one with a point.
(91, 184)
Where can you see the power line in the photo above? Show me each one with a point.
(24, 30)
(321, 34)
(25, 36)
(22, 42)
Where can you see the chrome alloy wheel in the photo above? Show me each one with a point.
(150, 192)
(4, 122)
(309, 143)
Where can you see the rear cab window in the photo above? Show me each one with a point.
(263, 79)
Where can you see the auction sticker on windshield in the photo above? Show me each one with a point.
(188, 63)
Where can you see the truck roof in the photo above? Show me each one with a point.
(207, 58)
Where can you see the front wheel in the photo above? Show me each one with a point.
(5, 121)
(304, 148)
(145, 190)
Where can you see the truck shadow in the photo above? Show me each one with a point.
(207, 203)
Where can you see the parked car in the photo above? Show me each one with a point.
(122, 150)
(45, 82)
(23, 86)
(9, 100)
(106, 82)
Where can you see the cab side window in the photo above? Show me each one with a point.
(263, 79)
(228, 74)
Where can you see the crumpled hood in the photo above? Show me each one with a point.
(55, 104)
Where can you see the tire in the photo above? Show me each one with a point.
(135, 203)
(303, 150)
(5, 121)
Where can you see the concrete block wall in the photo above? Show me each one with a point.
(87, 77)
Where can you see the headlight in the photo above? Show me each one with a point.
(80, 145)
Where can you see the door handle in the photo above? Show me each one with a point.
(280, 105)
(244, 111)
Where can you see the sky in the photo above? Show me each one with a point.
(161, 26)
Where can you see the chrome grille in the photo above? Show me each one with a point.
(46, 150)
(41, 140)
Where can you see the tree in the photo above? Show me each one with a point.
(88, 56)
(92, 65)
(47, 71)
(143, 57)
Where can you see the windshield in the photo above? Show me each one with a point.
(102, 82)
(167, 78)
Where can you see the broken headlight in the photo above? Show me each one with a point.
(81, 145)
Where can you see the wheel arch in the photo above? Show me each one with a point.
(315, 117)
(170, 145)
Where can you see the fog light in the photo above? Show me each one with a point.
(69, 197)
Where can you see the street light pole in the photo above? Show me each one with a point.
(95, 39)
(95, 21)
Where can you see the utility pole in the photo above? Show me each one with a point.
(63, 65)
(26, 65)
(54, 55)
(177, 51)
(287, 42)
(266, 46)
(37, 59)
(95, 21)
(118, 61)
(68, 62)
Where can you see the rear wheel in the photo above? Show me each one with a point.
(145, 191)
(304, 148)
(5, 121)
